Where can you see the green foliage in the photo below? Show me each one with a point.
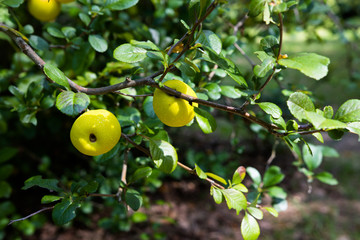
(86, 66)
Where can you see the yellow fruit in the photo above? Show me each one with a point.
(172, 111)
(65, 1)
(95, 132)
(44, 10)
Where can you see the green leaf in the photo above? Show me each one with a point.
(240, 187)
(353, 127)
(234, 199)
(13, 3)
(217, 194)
(49, 199)
(71, 103)
(310, 64)
(85, 18)
(206, 121)
(271, 108)
(328, 112)
(38, 43)
(211, 40)
(225, 64)
(120, 4)
(56, 75)
(108, 155)
(164, 155)
(64, 211)
(133, 199)
(254, 175)
(88, 187)
(262, 69)
(148, 107)
(349, 111)
(250, 229)
(5, 189)
(273, 176)
(320, 122)
(327, 178)
(239, 175)
(146, 45)
(6, 153)
(231, 92)
(214, 91)
(270, 44)
(272, 211)
(299, 104)
(98, 43)
(255, 212)
(129, 54)
(50, 184)
(312, 156)
(201, 174)
(55, 32)
(256, 7)
(140, 173)
(277, 192)
(216, 177)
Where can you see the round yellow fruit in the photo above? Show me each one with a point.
(172, 111)
(65, 1)
(95, 132)
(44, 10)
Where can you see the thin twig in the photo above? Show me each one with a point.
(124, 166)
(37, 212)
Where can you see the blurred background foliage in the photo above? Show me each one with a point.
(35, 135)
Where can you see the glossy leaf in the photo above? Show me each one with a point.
(216, 177)
(140, 173)
(250, 229)
(71, 103)
(231, 92)
(254, 175)
(210, 39)
(65, 211)
(310, 64)
(273, 176)
(133, 199)
(239, 175)
(50, 184)
(201, 174)
(206, 121)
(225, 64)
(50, 198)
(56, 75)
(320, 122)
(129, 54)
(13, 3)
(255, 212)
(256, 7)
(98, 43)
(262, 69)
(164, 155)
(299, 104)
(272, 211)
(349, 111)
(234, 199)
(217, 194)
(271, 108)
(313, 156)
(327, 178)
(120, 4)
(354, 127)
